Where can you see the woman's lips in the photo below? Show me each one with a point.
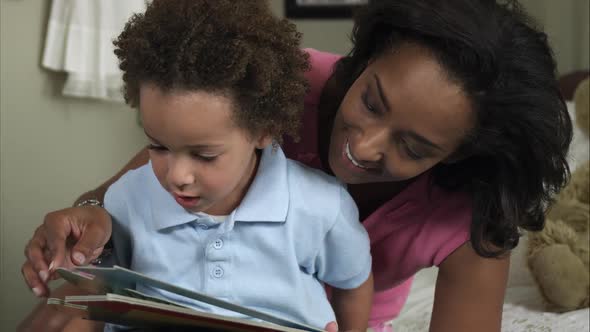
(351, 157)
(354, 164)
(349, 160)
(186, 201)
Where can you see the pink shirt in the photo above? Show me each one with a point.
(417, 228)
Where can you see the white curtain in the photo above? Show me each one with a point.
(79, 41)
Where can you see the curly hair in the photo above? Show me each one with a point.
(236, 48)
(515, 158)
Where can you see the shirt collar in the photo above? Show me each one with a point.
(267, 199)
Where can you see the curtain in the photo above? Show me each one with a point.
(79, 42)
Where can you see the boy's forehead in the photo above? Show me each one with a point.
(188, 117)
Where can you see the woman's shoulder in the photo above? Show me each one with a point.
(321, 68)
(424, 220)
(445, 216)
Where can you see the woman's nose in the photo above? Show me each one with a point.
(370, 146)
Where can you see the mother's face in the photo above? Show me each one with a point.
(402, 116)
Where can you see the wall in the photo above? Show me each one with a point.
(54, 148)
(566, 23)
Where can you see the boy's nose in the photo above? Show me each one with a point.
(180, 173)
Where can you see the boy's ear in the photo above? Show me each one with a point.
(263, 141)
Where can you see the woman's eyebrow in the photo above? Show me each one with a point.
(421, 139)
(384, 100)
(417, 137)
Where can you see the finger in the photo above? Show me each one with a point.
(95, 254)
(93, 236)
(51, 269)
(57, 228)
(34, 252)
(331, 327)
(32, 279)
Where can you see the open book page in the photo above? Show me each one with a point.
(135, 312)
(118, 281)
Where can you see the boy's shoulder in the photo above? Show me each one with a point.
(135, 179)
(130, 187)
(306, 176)
(318, 194)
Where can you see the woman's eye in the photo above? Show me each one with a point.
(157, 148)
(411, 153)
(370, 108)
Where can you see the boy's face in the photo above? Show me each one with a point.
(198, 153)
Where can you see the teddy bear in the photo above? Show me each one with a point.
(558, 256)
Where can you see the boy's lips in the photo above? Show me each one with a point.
(186, 201)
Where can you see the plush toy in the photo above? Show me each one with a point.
(558, 256)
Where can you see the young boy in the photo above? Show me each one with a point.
(219, 209)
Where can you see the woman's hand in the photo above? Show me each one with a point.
(52, 318)
(68, 237)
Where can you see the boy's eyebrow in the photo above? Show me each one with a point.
(150, 137)
(196, 147)
(204, 146)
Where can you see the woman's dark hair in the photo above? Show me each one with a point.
(515, 157)
(235, 47)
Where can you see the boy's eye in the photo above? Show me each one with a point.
(157, 148)
(204, 158)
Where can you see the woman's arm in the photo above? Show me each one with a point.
(352, 306)
(469, 292)
(72, 236)
(50, 318)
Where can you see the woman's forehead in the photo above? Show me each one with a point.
(420, 94)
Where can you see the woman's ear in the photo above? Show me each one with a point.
(451, 160)
(456, 157)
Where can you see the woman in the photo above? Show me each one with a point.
(445, 121)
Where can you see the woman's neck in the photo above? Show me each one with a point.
(371, 196)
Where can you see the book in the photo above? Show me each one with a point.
(113, 298)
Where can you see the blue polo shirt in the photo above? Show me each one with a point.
(295, 229)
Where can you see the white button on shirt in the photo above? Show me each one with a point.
(218, 244)
(295, 229)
